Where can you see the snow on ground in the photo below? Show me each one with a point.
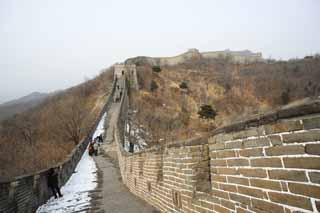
(76, 191)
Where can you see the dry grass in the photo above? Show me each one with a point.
(235, 91)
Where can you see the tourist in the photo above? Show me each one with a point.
(53, 182)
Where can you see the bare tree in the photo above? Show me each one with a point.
(70, 119)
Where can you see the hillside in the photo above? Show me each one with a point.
(46, 134)
(22, 104)
(170, 96)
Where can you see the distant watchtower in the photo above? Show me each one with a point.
(129, 70)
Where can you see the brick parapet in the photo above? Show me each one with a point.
(268, 163)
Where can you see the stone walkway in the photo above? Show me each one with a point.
(111, 195)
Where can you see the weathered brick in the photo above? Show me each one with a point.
(314, 177)
(228, 204)
(240, 199)
(290, 200)
(228, 187)
(266, 206)
(238, 180)
(305, 189)
(311, 123)
(257, 142)
(217, 146)
(233, 145)
(275, 140)
(218, 178)
(288, 175)
(266, 162)
(312, 135)
(206, 205)
(313, 149)
(285, 150)
(250, 191)
(245, 133)
(221, 209)
(302, 162)
(253, 172)
(242, 210)
(238, 162)
(226, 154)
(219, 193)
(223, 137)
(251, 152)
(267, 184)
(218, 162)
(283, 126)
(227, 171)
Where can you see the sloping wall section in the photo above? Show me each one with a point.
(270, 163)
(26, 193)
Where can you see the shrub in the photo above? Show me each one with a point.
(207, 112)
(183, 85)
(156, 69)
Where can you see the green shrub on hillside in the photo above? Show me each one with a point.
(207, 112)
(156, 69)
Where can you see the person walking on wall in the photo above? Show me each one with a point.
(53, 183)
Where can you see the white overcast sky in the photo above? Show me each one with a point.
(47, 45)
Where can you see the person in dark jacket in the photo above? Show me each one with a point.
(53, 183)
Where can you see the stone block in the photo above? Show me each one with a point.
(311, 123)
(288, 175)
(238, 162)
(265, 206)
(216, 146)
(233, 145)
(228, 204)
(240, 198)
(302, 162)
(238, 180)
(226, 154)
(257, 142)
(218, 178)
(312, 135)
(266, 162)
(313, 149)
(251, 192)
(221, 209)
(266, 184)
(228, 187)
(251, 152)
(285, 150)
(218, 162)
(245, 133)
(253, 172)
(314, 177)
(219, 193)
(283, 126)
(305, 189)
(227, 171)
(291, 200)
(275, 140)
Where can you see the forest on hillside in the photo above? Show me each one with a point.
(170, 98)
(46, 134)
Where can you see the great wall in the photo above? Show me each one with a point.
(267, 163)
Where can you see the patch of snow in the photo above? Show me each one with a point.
(76, 191)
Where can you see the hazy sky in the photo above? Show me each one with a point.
(47, 45)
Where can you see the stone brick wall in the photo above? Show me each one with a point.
(26, 193)
(268, 163)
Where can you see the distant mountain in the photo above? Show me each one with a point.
(22, 104)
